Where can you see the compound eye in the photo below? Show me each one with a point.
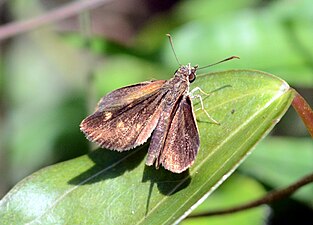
(192, 77)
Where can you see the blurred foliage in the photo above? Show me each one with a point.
(291, 158)
(230, 194)
(51, 78)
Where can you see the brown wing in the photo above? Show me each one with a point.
(129, 95)
(125, 118)
(182, 142)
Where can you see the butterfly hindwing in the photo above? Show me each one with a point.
(182, 142)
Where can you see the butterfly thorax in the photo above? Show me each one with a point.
(179, 84)
(187, 72)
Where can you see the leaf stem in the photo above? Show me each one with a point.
(270, 197)
(304, 111)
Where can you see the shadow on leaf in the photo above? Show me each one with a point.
(111, 164)
(167, 182)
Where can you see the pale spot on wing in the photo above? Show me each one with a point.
(107, 115)
(138, 127)
(128, 138)
(120, 125)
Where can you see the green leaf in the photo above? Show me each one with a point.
(117, 188)
(278, 162)
(236, 190)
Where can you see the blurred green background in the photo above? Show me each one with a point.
(52, 77)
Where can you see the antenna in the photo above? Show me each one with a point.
(172, 45)
(224, 60)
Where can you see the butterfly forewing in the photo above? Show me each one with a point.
(129, 95)
(122, 124)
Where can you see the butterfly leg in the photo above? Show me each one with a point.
(201, 102)
(198, 89)
(208, 94)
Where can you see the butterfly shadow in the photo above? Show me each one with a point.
(111, 164)
(168, 183)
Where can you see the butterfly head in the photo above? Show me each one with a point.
(188, 72)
